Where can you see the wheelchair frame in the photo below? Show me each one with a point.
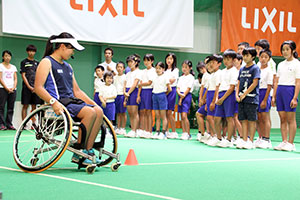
(51, 135)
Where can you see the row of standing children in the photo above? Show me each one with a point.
(246, 92)
(141, 91)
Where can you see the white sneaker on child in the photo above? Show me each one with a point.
(174, 135)
(257, 142)
(241, 143)
(264, 144)
(289, 147)
(169, 135)
(131, 134)
(205, 137)
(117, 131)
(161, 136)
(147, 135)
(185, 136)
(155, 136)
(213, 142)
(199, 135)
(122, 131)
(280, 146)
(225, 143)
(249, 145)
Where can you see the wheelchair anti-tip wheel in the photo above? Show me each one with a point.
(38, 149)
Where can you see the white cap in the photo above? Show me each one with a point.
(71, 41)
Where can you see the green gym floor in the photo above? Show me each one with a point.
(168, 169)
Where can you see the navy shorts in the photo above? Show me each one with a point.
(119, 104)
(248, 111)
(74, 109)
(209, 98)
(284, 96)
(186, 104)
(30, 98)
(172, 99)
(202, 110)
(160, 101)
(228, 106)
(96, 99)
(262, 93)
(110, 110)
(132, 98)
(146, 99)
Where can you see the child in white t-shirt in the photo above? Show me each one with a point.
(98, 82)
(8, 85)
(184, 91)
(161, 87)
(119, 81)
(107, 95)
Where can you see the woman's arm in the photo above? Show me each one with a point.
(80, 94)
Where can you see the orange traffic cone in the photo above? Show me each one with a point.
(131, 158)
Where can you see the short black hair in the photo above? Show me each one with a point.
(240, 58)
(246, 44)
(122, 63)
(31, 47)
(263, 43)
(160, 64)
(251, 51)
(107, 74)
(149, 56)
(4, 52)
(99, 67)
(230, 53)
(267, 51)
(110, 49)
(215, 57)
(200, 65)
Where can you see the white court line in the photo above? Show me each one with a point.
(96, 184)
(220, 161)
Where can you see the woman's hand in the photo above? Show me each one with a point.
(57, 107)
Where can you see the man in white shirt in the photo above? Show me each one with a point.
(108, 64)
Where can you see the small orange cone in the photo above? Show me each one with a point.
(131, 158)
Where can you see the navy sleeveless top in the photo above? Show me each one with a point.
(59, 82)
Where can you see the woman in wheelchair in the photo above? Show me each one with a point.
(55, 83)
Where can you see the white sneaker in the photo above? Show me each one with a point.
(280, 146)
(225, 143)
(122, 131)
(155, 136)
(249, 145)
(117, 130)
(161, 136)
(213, 142)
(199, 135)
(147, 135)
(169, 135)
(185, 136)
(264, 144)
(131, 134)
(205, 137)
(257, 142)
(289, 147)
(139, 133)
(174, 135)
(240, 144)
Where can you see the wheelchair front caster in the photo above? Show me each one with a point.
(115, 166)
(33, 161)
(90, 169)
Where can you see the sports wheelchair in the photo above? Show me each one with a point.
(37, 146)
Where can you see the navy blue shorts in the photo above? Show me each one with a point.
(186, 104)
(262, 93)
(74, 109)
(248, 111)
(146, 99)
(284, 96)
(119, 104)
(209, 98)
(132, 98)
(160, 101)
(172, 99)
(202, 110)
(96, 99)
(228, 106)
(110, 110)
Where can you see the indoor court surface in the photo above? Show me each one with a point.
(168, 169)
